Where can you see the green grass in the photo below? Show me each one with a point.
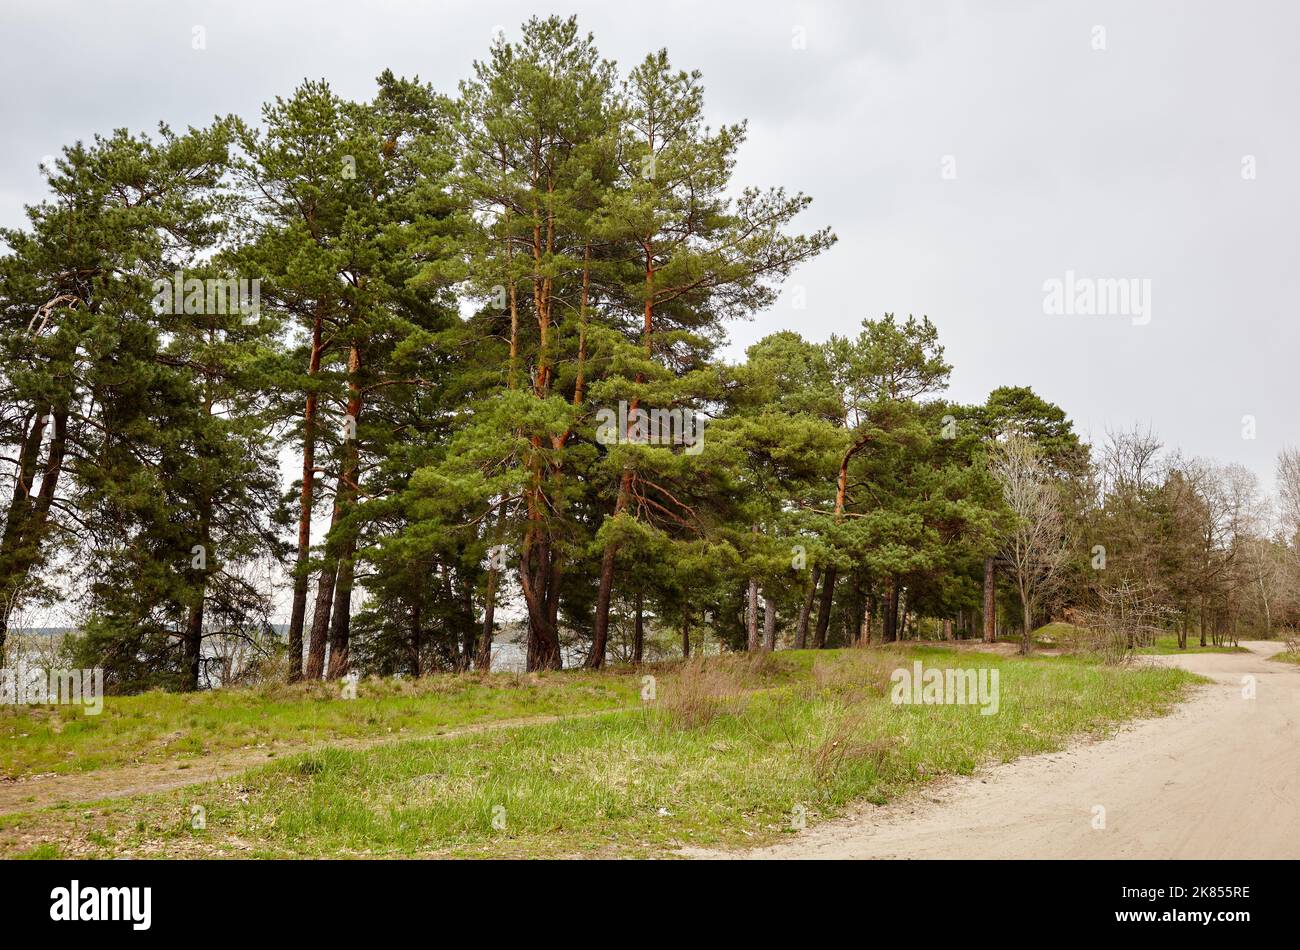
(171, 727)
(1057, 631)
(813, 731)
(1291, 656)
(42, 852)
(1166, 646)
(1060, 633)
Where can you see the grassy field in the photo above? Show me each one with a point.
(729, 752)
(1056, 632)
(172, 727)
(1059, 633)
(1165, 646)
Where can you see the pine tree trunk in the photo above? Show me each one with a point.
(341, 619)
(751, 616)
(805, 611)
(536, 570)
(490, 600)
(638, 629)
(467, 627)
(889, 624)
(824, 609)
(320, 623)
(537, 577)
(193, 646)
(24, 479)
(769, 624)
(990, 609)
(552, 602)
(860, 612)
(13, 566)
(686, 633)
(345, 500)
(28, 514)
(417, 640)
(600, 635)
(947, 629)
(484, 659)
(302, 580)
(600, 632)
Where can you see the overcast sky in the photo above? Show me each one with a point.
(965, 154)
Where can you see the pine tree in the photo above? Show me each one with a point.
(536, 129)
(300, 182)
(695, 258)
(356, 228)
(80, 333)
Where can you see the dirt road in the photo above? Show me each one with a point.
(1217, 778)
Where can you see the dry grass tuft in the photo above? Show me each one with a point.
(702, 689)
(852, 675)
(760, 668)
(846, 743)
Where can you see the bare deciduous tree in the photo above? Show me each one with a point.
(1288, 492)
(1126, 616)
(1036, 550)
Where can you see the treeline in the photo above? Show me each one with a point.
(485, 328)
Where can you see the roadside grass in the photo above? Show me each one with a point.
(185, 727)
(1167, 646)
(1289, 656)
(1068, 635)
(1050, 636)
(712, 761)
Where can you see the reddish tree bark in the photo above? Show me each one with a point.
(805, 611)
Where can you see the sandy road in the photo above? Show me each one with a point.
(1217, 778)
